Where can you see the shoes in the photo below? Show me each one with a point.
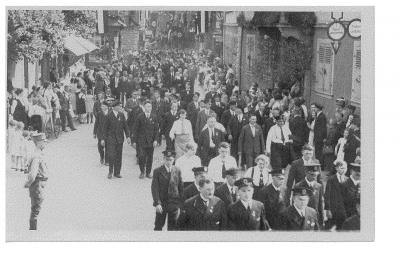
(73, 129)
(33, 224)
(118, 176)
(149, 176)
(141, 176)
(109, 175)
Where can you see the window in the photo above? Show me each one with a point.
(356, 75)
(324, 67)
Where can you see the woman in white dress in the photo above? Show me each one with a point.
(339, 149)
(311, 127)
(182, 133)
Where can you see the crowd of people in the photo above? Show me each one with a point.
(229, 149)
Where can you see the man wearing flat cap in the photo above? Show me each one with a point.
(273, 197)
(203, 211)
(320, 130)
(194, 188)
(316, 198)
(115, 127)
(246, 213)
(227, 191)
(167, 192)
(299, 216)
(36, 178)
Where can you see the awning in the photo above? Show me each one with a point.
(78, 45)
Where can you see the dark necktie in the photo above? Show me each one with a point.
(248, 210)
(233, 195)
(223, 169)
(282, 136)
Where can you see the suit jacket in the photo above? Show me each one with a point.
(224, 194)
(200, 122)
(261, 119)
(197, 216)
(250, 144)
(300, 131)
(160, 184)
(240, 219)
(167, 122)
(192, 114)
(351, 193)
(146, 131)
(267, 125)
(96, 108)
(334, 200)
(160, 108)
(114, 89)
(99, 125)
(316, 201)
(190, 191)
(291, 219)
(218, 110)
(320, 130)
(235, 127)
(204, 151)
(274, 204)
(186, 98)
(114, 128)
(226, 117)
(64, 100)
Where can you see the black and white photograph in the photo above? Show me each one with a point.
(189, 124)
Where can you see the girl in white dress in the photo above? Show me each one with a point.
(17, 147)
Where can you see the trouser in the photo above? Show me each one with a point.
(36, 123)
(115, 157)
(145, 159)
(336, 220)
(66, 115)
(170, 143)
(102, 151)
(250, 157)
(318, 147)
(279, 155)
(36, 195)
(172, 211)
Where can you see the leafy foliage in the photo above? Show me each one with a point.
(31, 33)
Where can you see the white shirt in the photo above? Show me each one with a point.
(267, 178)
(277, 189)
(310, 183)
(356, 182)
(274, 135)
(253, 130)
(230, 188)
(246, 204)
(186, 164)
(341, 178)
(218, 126)
(206, 201)
(215, 167)
(178, 130)
(301, 212)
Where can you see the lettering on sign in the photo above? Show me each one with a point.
(336, 31)
(354, 28)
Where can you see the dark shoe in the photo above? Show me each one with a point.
(32, 224)
(101, 161)
(141, 176)
(149, 176)
(118, 176)
(109, 175)
(73, 129)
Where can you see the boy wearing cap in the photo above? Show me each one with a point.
(227, 192)
(36, 178)
(114, 129)
(193, 189)
(246, 213)
(203, 211)
(316, 198)
(299, 216)
(273, 197)
(167, 192)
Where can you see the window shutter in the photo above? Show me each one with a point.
(356, 74)
(324, 67)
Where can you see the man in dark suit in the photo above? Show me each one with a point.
(272, 196)
(353, 222)
(320, 130)
(193, 189)
(208, 142)
(251, 141)
(228, 115)
(297, 171)
(167, 192)
(298, 127)
(98, 132)
(186, 95)
(227, 191)
(352, 190)
(262, 114)
(65, 115)
(218, 107)
(299, 216)
(234, 129)
(114, 129)
(203, 211)
(334, 197)
(166, 125)
(114, 84)
(193, 109)
(247, 213)
(202, 117)
(145, 138)
(316, 199)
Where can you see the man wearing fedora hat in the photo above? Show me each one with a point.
(299, 216)
(36, 178)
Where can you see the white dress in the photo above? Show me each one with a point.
(311, 135)
(340, 149)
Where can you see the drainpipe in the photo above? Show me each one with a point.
(240, 31)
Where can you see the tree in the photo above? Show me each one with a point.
(80, 22)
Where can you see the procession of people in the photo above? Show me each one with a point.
(235, 158)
